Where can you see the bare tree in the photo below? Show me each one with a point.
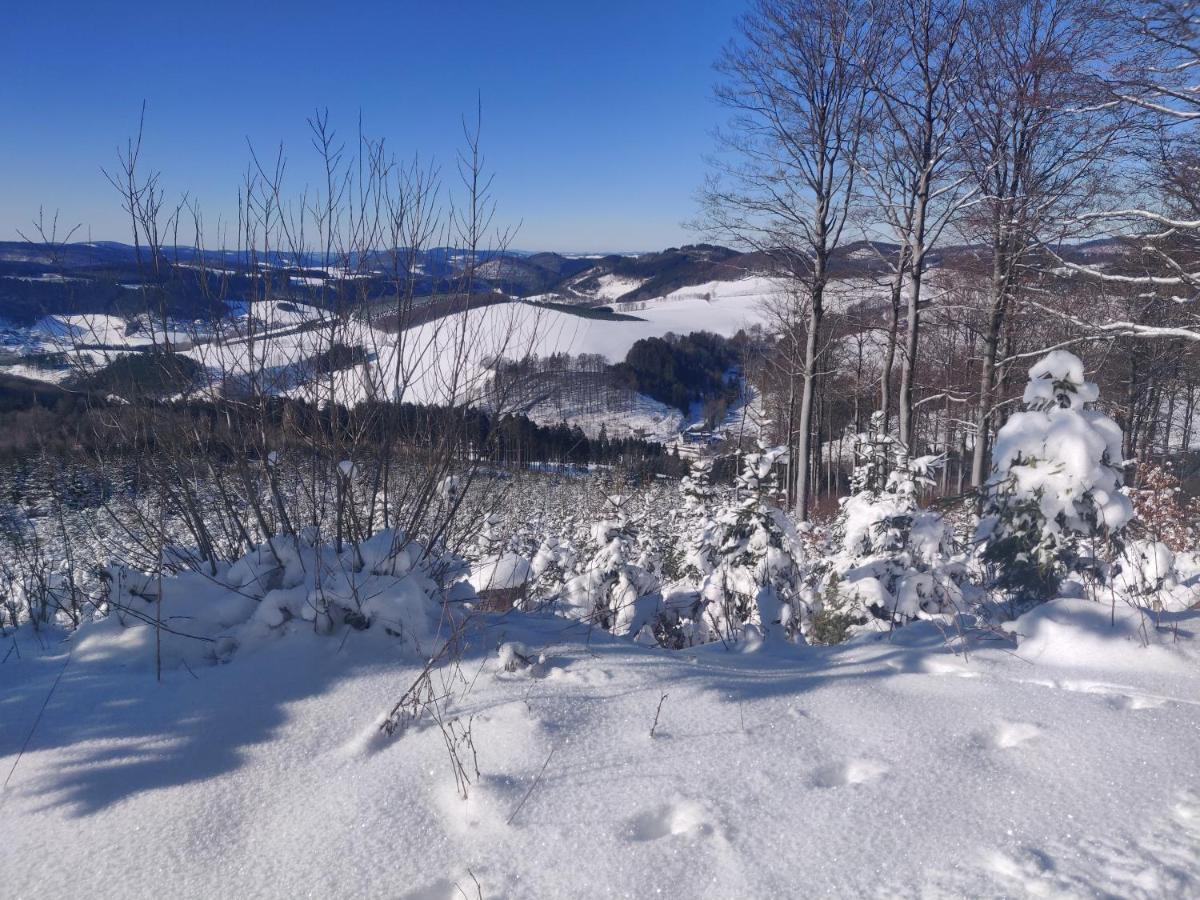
(290, 417)
(1035, 145)
(908, 167)
(1157, 81)
(785, 182)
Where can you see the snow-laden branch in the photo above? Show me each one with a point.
(1122, 328)
(1184, 224)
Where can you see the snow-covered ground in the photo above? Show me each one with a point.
(84, 340)
(611, 286)
(428, 356)
(696, 697)
(294, 332)
(1065, 767)
(641, 416)
(63, 333)
(712, 301)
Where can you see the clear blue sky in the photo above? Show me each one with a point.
(596, 115)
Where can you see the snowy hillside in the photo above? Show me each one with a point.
(846, 546)
(588, 685)
(290, 332)
(723, 307)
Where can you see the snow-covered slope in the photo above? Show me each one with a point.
(723, 307)
(610, 286)
(884, 768)
(752, 290)
(294, 331)
(637, 416)
(427, 356)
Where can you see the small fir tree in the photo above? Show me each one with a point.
(1054, 504)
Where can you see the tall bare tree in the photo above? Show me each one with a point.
(1036, 145)
(908, 168)
(785, 180)
(1158, 81)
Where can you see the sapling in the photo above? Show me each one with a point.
(1054, 505)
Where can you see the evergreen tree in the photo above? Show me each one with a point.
(894, 561)
(613, 591)
(1054, 504)
(754, 585)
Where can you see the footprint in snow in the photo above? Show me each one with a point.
(1014, 734)
(854, 771)
(442, 889)
(684, 817)
(1118, 696)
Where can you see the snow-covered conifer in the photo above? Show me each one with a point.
(1054, 504)
(895, 561)
(755, 582)
(612, 590)
(699, 529)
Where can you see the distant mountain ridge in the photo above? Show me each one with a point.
(104, 276)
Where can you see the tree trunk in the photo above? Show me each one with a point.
(908, 364)
(987, 374)
(793, 452)
(889, 354)
(804, 436)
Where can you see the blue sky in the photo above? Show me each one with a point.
(596, 115)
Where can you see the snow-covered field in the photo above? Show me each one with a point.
(612, 286)
(449, 359)
(722, 307)
(428, 356)
(642, 416)
(879, 768)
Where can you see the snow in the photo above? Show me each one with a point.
(723, 307)
(51, 277)
(638, 415)
(882, 768)
(711, 295)
(1058, 453)
(38, 373)
(428, 356)
(1082, 633)
(68, 334)
(62, 332)
(1059, 368)
(610, 286)
(501, 572)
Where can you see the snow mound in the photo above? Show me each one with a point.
(503, 571)
(1089, 634)
(386, 587)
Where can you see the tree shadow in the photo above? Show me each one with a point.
(119, 733)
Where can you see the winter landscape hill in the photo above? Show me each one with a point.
(93, 303)
(359, 537)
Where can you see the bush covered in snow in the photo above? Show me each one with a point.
(387, 586)
(1150, 574)
(613, 590)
